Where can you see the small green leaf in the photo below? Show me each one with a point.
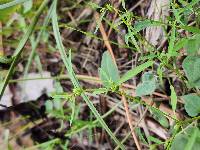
(179, 142)
(192, 104)
(133, 72)
(191, 65)
(172, 39)
(104, 78)
(155, 140)
(5, 60)
(157, 115)
(100, 91)
(148, 57)
(192, 139)
(58, 87)
(180, 44)
(192, 45)
(173, 98)
(49, 105)
(140, 135)
(148, 76)
(147, 86)
(131, 34)
(73, 108)
(187, 140)
(108, 71)
(110, 67)
(191, 29)
(110, 7)
(57, 104)
(127, 36)
(141, 25)
(27, 5)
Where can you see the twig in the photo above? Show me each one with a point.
(87, 78)
(105, 37)
(155, 93)
(96, 80)
(72, 18)
(107, 44)
(129, 118)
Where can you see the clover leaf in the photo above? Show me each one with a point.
(147, 86)
(191, 65)
(192, 104)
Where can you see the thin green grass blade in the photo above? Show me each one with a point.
(133, 72)
(74, 80)
(72, 131)
(35, 44)
(20, 47)
(45, 144)
(13, 3)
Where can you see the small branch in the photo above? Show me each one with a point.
(91, 79)
(105, 37)
(129, 118)
(107, 44)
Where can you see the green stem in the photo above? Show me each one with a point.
(68, 65)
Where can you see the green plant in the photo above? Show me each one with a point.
(153, 65)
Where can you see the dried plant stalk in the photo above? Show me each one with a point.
(158, 11)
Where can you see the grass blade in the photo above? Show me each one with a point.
(133, 72)
(13, 3)
(173, 98)
(74, 79)
(32, 54)
(20, 47)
